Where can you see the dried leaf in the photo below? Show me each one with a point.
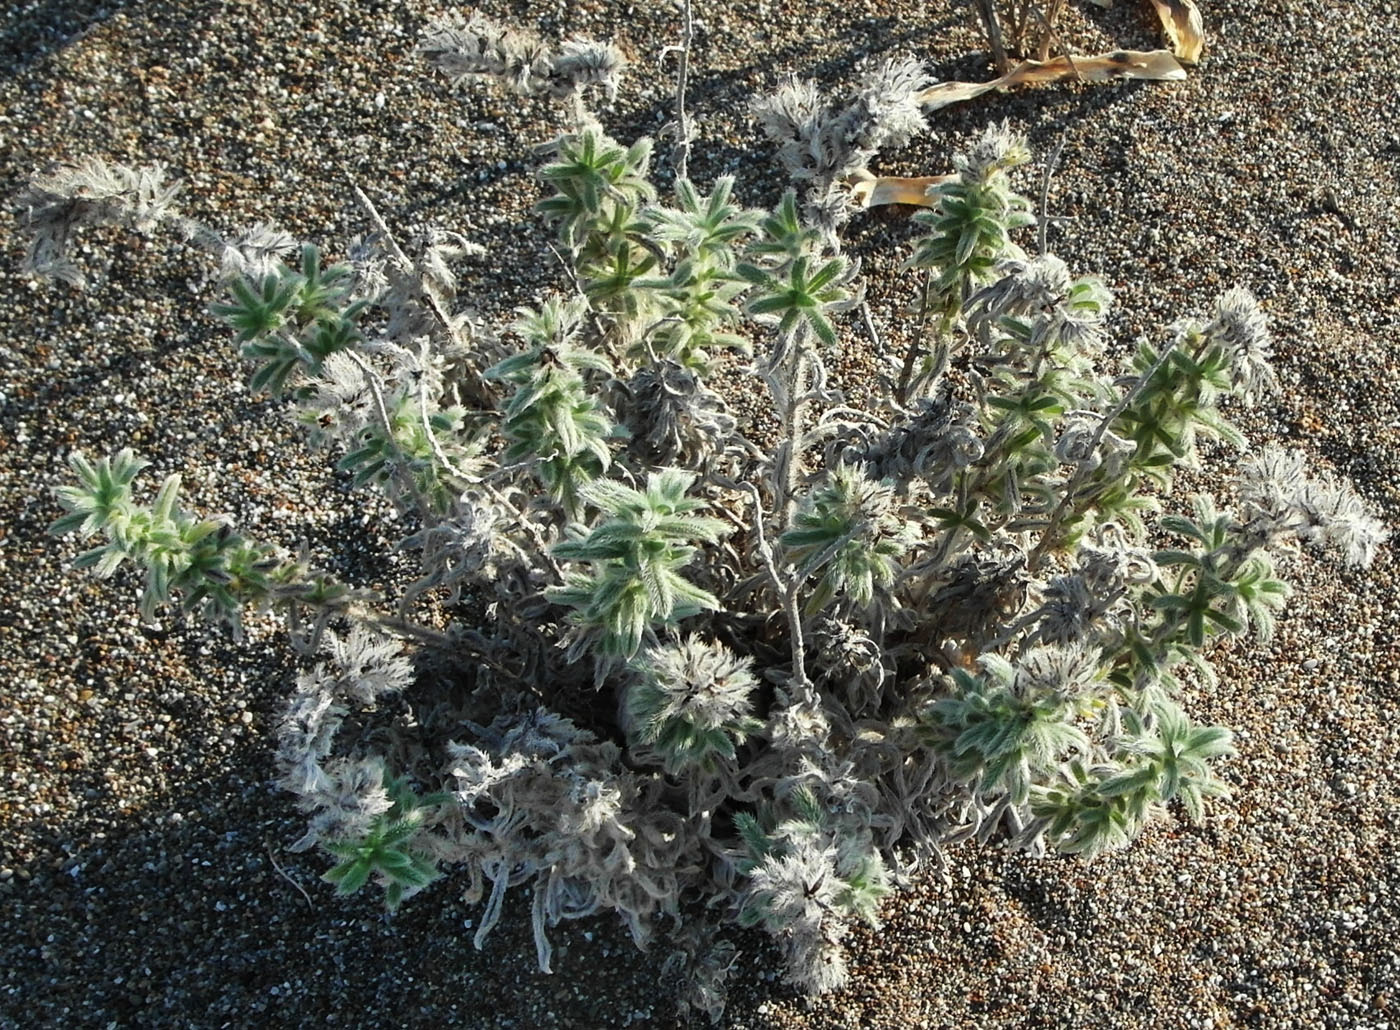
(873, 191)
(1156, 65)
(945, 94)
(1185, 32)
(1159, 65)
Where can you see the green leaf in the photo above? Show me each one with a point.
(1224, 621)
(349, 876)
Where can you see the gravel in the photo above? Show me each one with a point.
(144, 872)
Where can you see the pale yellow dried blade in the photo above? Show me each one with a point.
(897, 189)
(1185, 31)
(943, 94)
(1155, 65)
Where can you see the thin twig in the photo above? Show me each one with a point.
(874, 333)
(480, 391)
(380, 226)
(541, 547)
(404, 627)
(309, 903)
(681, 154)
(407, 265)
(901, 392)
(1043, 230)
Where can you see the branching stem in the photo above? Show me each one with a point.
(901, 392)
(1042, 240)
(682, 151)
(987, 10)
(1047, 538)
(788, 591)
(477, 389)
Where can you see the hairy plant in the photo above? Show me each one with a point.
(636, 553)
(204, 564)
(690, 663)
(553, 417)
(691, 704)
(827, 144)
(847, 530)
(806, 880)
(479, 48)
(90, 192)
(385, 851)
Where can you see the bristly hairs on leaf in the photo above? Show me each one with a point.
(479, 48)
(89, 192)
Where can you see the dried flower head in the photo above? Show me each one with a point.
(368, 664)
(826, 142)
(800, 888)
(885, 108)
(346, 802)
(1033, 284)
(585, 62)
(1107, 570)
(1321, 510)
(933, 445)
(1084, 441)
(692, 702)
(793, 118)
(850, 660)
(1069, 610)
(1241, 330)
(1040, 294)
(256, 252)
(1064, 671)
(996, 151)
(305, 736)
(1268, 483)
(467, 546)
(89, 192)
(674, 415)
(479, 47)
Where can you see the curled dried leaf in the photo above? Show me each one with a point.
(1154, 65)
(1182, 22)
(875, 190)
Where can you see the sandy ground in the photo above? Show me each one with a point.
(144, 874)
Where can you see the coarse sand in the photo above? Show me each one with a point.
(145, 876)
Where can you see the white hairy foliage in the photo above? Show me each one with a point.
(90, 192)
(480, 48)
(942, 615)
